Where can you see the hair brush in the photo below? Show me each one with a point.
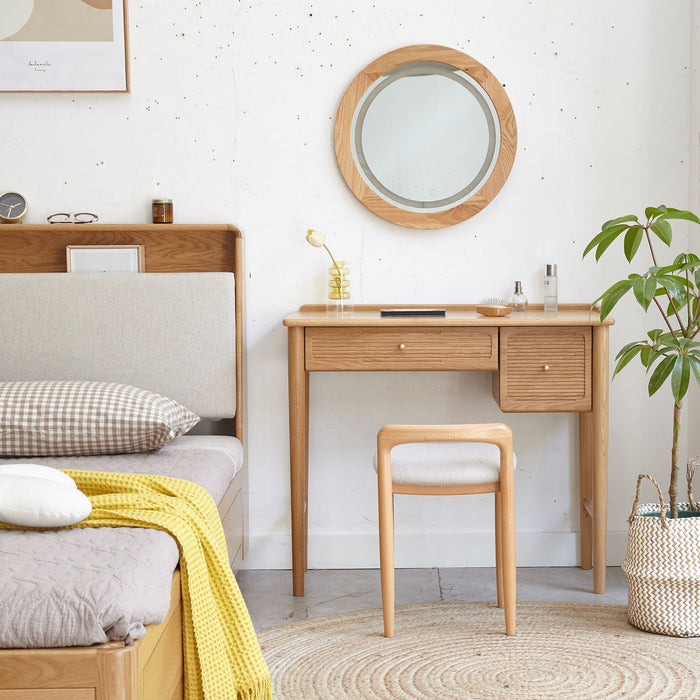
(493, 306)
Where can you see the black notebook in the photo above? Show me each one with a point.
(412, 312)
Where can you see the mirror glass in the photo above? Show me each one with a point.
(425, 143)
(425, 136)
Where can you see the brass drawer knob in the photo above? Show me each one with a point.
(546, 368)
(402, 346)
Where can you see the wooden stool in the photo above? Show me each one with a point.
(479, 468)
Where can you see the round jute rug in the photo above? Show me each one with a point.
(566, 651)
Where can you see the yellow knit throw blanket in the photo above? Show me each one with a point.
(222, 657)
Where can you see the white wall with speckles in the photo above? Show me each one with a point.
(231, 114)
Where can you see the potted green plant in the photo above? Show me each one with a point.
(663, 552)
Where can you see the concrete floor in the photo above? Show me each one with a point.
(268, 593)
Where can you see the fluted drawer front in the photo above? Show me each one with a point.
(544, 369)
(424, 348)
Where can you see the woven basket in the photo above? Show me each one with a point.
(663, 566)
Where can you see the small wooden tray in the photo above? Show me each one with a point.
(493, 309)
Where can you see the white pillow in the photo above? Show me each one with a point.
(33, 495)
(38, 470)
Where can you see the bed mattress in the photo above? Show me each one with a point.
(92, 585)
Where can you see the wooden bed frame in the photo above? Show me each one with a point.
(152, 667)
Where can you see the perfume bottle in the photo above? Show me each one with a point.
(551, 288)
(518, 301)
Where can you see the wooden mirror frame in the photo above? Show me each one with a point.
(344, 128)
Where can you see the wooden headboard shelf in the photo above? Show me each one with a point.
(168, 248)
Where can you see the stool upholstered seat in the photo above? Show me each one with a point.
(445, 463)
(447, 460)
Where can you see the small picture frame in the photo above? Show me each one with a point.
(105, 258)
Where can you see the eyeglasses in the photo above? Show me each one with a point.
(83, 217)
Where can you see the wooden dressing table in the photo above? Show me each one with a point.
(541, 362)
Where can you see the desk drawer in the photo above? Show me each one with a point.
(544, 369)
(425, 348)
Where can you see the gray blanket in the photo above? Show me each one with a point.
(85, 586)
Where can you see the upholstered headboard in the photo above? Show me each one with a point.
(173, 334)
(176, 334)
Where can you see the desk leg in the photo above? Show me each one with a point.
(298, 379)
(597, 435)
(586, 487)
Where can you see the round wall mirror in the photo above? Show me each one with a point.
(425, 136)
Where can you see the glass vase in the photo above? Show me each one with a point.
(339, 299)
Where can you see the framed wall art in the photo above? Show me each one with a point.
(63, 46)
(105, 258)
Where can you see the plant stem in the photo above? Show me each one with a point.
(670, 300)
(693, 323)
(673, 487)
(335, 264)
(665, 317)
(677, 315)
(687, 300)
(692, 315)
(651, 247)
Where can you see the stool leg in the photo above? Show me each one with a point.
(508, 544)
(386, 547)
(499, 551)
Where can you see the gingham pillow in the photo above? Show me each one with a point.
(86, 418)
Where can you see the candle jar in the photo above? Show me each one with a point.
(162, 211)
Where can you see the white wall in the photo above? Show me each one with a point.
(694, 186)
(231, 113)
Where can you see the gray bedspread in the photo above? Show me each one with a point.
(85, 586)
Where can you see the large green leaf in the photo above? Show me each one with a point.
(625, 348)
(633, 238)
(680, 214)
(659, 375)
(677, 269)
(651, 212)
(686, 259)
(686, 344)
(620, 220)
(610, 297)
(671, 307)
(687, 267)
(613, 233)
(595, 241)
(680, 377)
(648, 355)
(628, 354)
(677, 344)
(674, 284)
(663, 230)
(603, 240)
(695, 367)
(644, 290)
